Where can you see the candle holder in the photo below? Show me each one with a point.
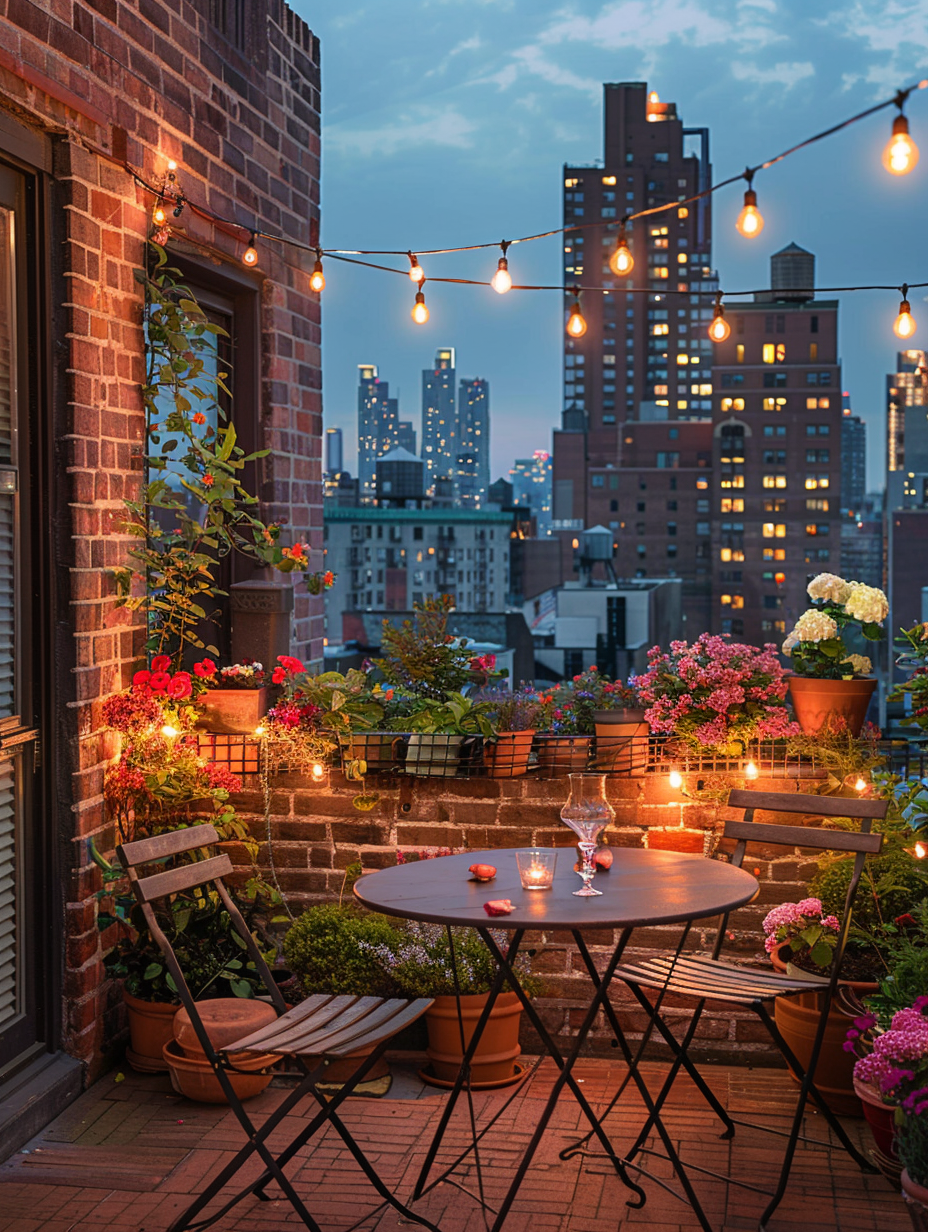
(536, 867)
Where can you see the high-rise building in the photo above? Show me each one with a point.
(531, 486)
(377, 427)
(907, 432)
(853, 461)
(406, 435)
(439, 418)
(334, 454)
(776, 479)
(472, 470)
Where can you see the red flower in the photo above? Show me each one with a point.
(290, 664)
(204, 669)
(180, 686)
(198, 418)
(161, 663)
(159, 682)
(141, 678)
(278, 675)
(208, 481)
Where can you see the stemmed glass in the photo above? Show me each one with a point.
(587, 812)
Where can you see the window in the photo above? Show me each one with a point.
(597, 481)
(776, 457)
(818, 528)
(817, 455)
(774, 380)
(773, 530)
(671, 506)
(774, 353)
(739, 352)
(774, 481)
(671, 528)
(730, 505)
(731, 379)
(774, 504)
(816, 504)
(774, 554)
(773, 602)
(816, 482)
(732, 404)
(813, 351)
(702, 528)
(817, 430)
(774, 404)
(667, 460)
(774, 430)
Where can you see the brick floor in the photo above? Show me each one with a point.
(128, 1154)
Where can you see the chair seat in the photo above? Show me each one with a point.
(324, 1025)
(715, 980)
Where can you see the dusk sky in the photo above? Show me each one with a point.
(447, 122)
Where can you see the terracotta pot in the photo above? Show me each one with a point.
(433, 755)
(494, 1061)
(797, 1017)
(559, 755)
(780, 961)
(621, 741)
(816, 701)
(195, 1078)
(234, 710)
(916, 1201)
(151, 1026)
(507, 757)
(226, 1019)
(339, 1071)
(881, 1119)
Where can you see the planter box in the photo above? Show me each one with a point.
(238, 711)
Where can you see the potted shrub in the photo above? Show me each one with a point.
(915, 659)
(567, 725)
(622, 732)
(514, 717)
(439, 730)
(422, 658)
(715, 695)
(236, 698)
(829, 680)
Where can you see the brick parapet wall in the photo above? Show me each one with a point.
(316, 834)
(142, 81)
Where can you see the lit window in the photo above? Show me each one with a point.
(660, 330)
(660, 271)
(683, 359)
(774, 481)
(813, 350)
(571, 183)
(706, 389)
(725, 554)
(732, 505)
(683, 212)
(682, 259)
(702, 484)
(661, 389)
(824, 403)
(725, 600)
(774, 554)
(732, 404)
(608, 179)
(737, 600)
(682, 404)
(811, 404)
(739, 352)
(773, 530)
(774, 404)
(817, 505)
(781, 352)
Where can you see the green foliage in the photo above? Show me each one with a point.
(348, 702)
(422, 966)
(905, 953)
(334, 949)
(421, 656)
(914, 642)
(891, 884)
(454, 715)
(911, 1144)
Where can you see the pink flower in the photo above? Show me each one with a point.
(180, 686)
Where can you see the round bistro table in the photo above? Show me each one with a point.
(641, 890)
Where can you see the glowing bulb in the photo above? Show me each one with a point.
(168, 730)
(261, 730)
(575, 543)
(172, 165)
(860, 785)
(750, 221)
(676, 780)
(420, 313)
(317, 278)
(904, 326)
(416, 272)
(576, 325)
(719, 330)
(250, 255)
(920, 851)
(901, 153)
(501, 282)
(622, 262)
(318, 771)
(751, 771)
(158, 216)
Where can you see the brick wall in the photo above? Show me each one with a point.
(316, 833)
(142, 81)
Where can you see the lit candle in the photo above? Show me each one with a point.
(536, 868)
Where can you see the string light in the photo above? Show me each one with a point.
(576, 325)
(676, 780)
(318, 771)
(172, 166)
(169, 731)
(420, 312)
(860, 785)
(750, 221)
(179, 207)
(904, 326)
(250, 255)
(719, 330)
(317, 277)
(751, 771)
(901, 153)
(416, 272)
(158, 215)
(622, 262)
(501, 282)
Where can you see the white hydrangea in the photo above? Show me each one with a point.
(860, 664)
(813, 626)
(829, 586)
(866, 603)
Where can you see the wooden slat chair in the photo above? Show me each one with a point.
(713, 979)
(319, 1029)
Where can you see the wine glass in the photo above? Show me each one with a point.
(587, 812)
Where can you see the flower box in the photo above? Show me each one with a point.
(237, 711)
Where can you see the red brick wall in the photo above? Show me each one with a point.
(316, 834)
(143, 81)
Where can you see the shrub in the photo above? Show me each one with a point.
(333, 949)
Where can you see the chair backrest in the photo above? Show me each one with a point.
(861, 843)
(196, 872)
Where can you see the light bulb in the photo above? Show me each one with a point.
(750, 221)
(416, 272)
(576, 325)
(158, 216)
(901, 152)
(317, 278)
(860, 785)
(260, 731)
(420, 313)
(622, 262)
(751, 771)
(318, 771)
(904, 325)
(920, 851)
(501, 282)
(719, 330)
(250, 255)
(676, 780)
(172, 165)
(169, 731)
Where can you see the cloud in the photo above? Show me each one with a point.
(785, 74)
(419, 126)
(895, 34)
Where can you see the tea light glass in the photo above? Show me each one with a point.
(536, 867)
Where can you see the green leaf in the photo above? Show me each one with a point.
(821, 954)
(241, 988)
(152, 971)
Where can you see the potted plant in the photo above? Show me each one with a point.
(422, 658)
(352, 709)
(829, 680)
(236, 698)
(514, 716)
(715, 695)
(439, 730)
(915, 659)
(568, 725)
(622, 732)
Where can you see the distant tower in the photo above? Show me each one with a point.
(531, 487)
(439, 418)
(853, 461)
(334, 454)
(406, 435)
(377, 427)
(473, 451)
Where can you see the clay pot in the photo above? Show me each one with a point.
(194, 1077)
(621, 741)
(151, 1026)
(226, 1019)
(494, 1062)
(817, 701)
(881, 1119)
(797, 1017)
(780, 961)
(916, 1201)
(507, 757)
(560, 755)
(234, 710)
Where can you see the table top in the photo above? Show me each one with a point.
(642, 888)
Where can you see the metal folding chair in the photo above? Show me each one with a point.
(319, 1029)
(713, 979)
